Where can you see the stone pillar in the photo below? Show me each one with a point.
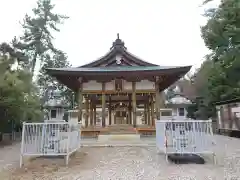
(103, 105)
(86, 112)
(134, 103)
(80, 99)
(157, 99)
(110, 111)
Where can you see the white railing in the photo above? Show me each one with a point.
(185, 137)
(50, 139)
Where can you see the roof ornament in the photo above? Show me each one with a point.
(118, 43)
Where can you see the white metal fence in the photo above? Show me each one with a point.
(50, 139)
(185, 137)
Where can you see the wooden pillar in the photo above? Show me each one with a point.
(134, 103)
(95, 113)
(145, 112)
(129, 111)
(103, 105)
(115, 117)
(148, 112)
(152, 112)
(157, 99)
(110, 111)
(86, 111)
(80, 99)
(91, 113)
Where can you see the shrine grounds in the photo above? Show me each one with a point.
(130, 163)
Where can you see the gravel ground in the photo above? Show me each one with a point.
(9, 156)
(132, 163)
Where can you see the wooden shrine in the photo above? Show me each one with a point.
(126, 89)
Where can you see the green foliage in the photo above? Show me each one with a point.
(218, 77)
(170, 93)
(37, 39)
(222, 35)
(37, 44)
(59, 60)
(18, 95)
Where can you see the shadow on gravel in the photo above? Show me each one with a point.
(186, 159)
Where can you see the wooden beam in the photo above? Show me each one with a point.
(103, 104)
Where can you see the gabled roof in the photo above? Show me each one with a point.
(118, 49)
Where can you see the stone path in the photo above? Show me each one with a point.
(128, 163)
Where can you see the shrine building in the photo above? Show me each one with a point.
(126, 88)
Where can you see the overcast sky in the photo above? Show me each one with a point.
(164, 32)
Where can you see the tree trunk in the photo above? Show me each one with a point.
(34, 60)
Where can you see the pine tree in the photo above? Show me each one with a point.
(18, 95)
(37, 40)
(59, 60)
(37, 44)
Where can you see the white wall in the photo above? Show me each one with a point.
(145, 85)
(96, 86)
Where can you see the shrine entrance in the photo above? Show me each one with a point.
(121, 113)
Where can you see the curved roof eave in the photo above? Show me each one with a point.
(116, 69)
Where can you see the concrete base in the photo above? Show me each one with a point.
(118, 137)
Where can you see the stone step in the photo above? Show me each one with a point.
(120, 127)
(119, 137)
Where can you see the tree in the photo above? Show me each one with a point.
(221, 35)
(170, 93)
(59, 60)
(217, 78)
(37, 39)
(37, 43)
(18, 95)
(201, 107)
